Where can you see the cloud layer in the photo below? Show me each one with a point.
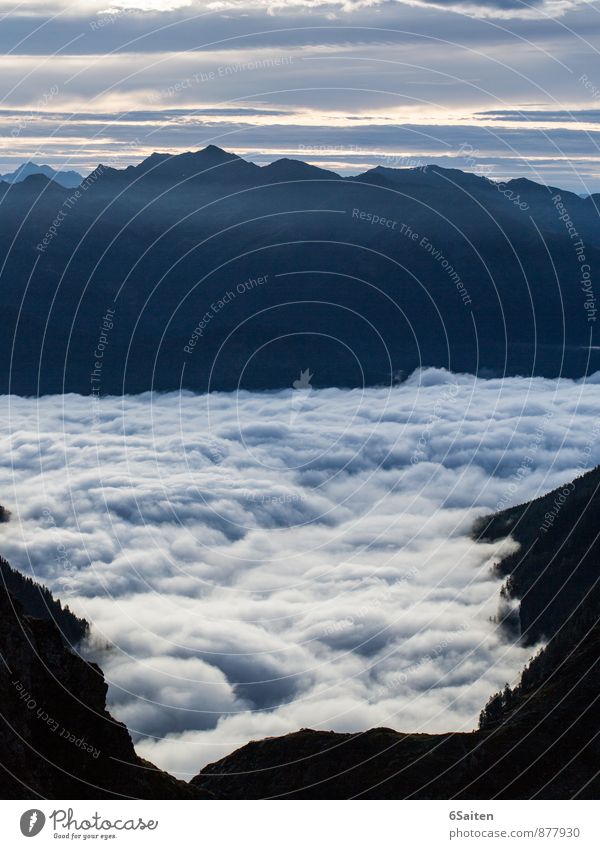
(255, 563)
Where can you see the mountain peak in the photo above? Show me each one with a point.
(214, 149)
(210, 163)
(296, 169)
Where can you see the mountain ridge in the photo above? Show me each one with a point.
(368, 277)
(213, 156)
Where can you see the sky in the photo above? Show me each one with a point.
(501, 87)
(254, 563)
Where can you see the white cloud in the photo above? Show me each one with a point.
(483, 8)
(501, 9)
(260, 564)
(504, 9)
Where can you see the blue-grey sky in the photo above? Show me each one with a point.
(501, 87)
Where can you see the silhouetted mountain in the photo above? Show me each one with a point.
(56, 737)
(68, 179)
(360, 277)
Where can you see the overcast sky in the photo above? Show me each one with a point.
(502, 85)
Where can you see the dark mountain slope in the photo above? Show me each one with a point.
(38, 601)
(379, 763)
(558, 563)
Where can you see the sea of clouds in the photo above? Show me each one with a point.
(253, 563)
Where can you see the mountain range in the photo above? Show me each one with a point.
(540, 739)
(222, 274)
(68, 179)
